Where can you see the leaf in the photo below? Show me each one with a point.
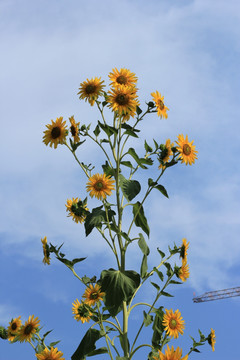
(147, 147)
(96, 131)
(131, 133)
(175, 282)
(162, 190)
(157, 326)
(148, 319)
(139, 111)
(144, 267)
(118, 287)
(96, 218)
(102, 350)
(155, 285)
(66, 262)
(108, 170)
(164, 293)
(139, 217)
(87, 345)
(127, 163)
(151, 182)
(133, 153)
(123, 338)
(77, 260)
(161, 252)
(52, 344)
(130, 188)
(160, 274)
(143, 245)
(109, 130)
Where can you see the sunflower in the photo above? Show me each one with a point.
(123, 77)
(100, 185)
(77, 209)
(184, 249)
(13, 328)
(166, 153)
(171, 354)
(74, 129)
(46, 259)
(93, 294)
(56, 133)
(52, 354)
(187, 152)
(183, 272)
(173, 323)
(161, 108)
(81, 311)
(212, 339)
(29, 329)
(90, 90)
(123, 100)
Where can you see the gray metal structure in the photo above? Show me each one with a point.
(217, 295)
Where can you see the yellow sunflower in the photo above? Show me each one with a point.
(93, 294)
(81, 311)
(123, 100)
(77, 209)
(173, 323)
(52, 354)
(29, 329)
(100, 185)
(74, 129)
(184, 249)
(171, 354)
(187, 152)
(13, 328)
(166, 153)
(46, 259)
(212, 339)
(183, 272)
(161, 107)
(56, 133)
(90, 90)
(123, 77)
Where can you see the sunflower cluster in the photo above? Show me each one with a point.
(183, 272)
(46, 253)
(100, 185)
(187, 152)
(83, 310)
(77, 209)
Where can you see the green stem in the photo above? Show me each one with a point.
(137, 348)
(77, 160)
(105, 334)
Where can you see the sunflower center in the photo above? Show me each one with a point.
(122, 99)
(90, 89)
(56, 132)
(161, 104)
(28, 329)
(122, 80)
(73, 130)
(98, 186)
(94, 295)
(187, 149)
(172, 324)
(14, 326)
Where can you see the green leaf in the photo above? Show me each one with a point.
(143, 245)
(102, 350)
(148, 319)
(52, 344)
(139, 111)
(87, 345)
(131, 133)
(109, 130)
(147, 147)
(77, 260)
(118, 287)
(97, 131)
(127, 163)
(96, 218)
(157, 327)
(164, 293)
(130, 188)
(66, 261)
(133, 153)
(108, 170)
(160, 274)
(123, 338)
(162, 190)
(122, 358)
(151, 182)
(144, 267)
(139, 217)
(155, 285)
(175, 282)
(161, 252)
(156, 144)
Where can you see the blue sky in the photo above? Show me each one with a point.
(188, 51)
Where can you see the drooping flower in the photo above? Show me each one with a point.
(52, 354)
(13, 328)
(28, 329)
(123, 100)
(56, 133)
(77, 209)
(159, 102)
(123, 77)
(166, 153)
(173, 323)
(184, 249)
(171, 354)
(183, 272)
(212, 339)
(91, 89)
(81, 311)
(74, 129)
(187, 152)
(93, 294)
(100, 185)
(46, 259)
